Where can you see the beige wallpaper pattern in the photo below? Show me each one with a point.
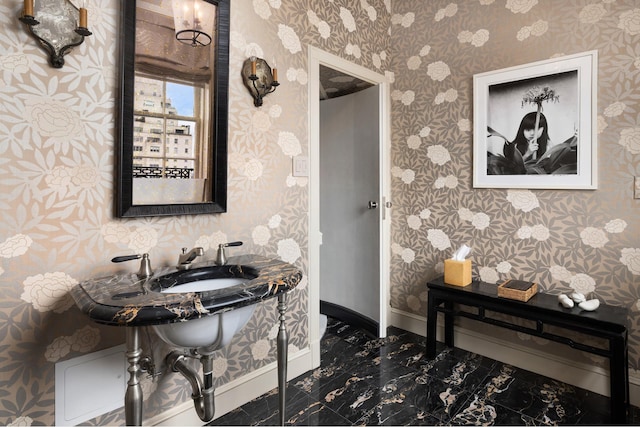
(57, 136)
(587, 241)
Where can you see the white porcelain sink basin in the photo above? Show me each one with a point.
(205, 285)
(208, 332)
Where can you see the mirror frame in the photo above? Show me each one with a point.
(124, 169)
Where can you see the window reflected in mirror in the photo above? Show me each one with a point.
(168, 141)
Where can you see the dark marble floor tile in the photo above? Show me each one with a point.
(328, 341)
(368, 381)
(349, 333)
(482, 412)
(595, 410)
(340, 355)
(263, 410)
(317, 382)
(358, 337)
(469, 371)
(237, 417)
(381, 372)
(396, 414)
(306, 411)
(351, 396)
(548, 401)
(633, 416)
(315, 414)
(409, 354)
(430, 395)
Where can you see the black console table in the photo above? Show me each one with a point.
(608, 322)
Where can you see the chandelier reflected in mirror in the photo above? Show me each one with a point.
(194, 21)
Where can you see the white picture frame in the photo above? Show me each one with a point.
(505, 99)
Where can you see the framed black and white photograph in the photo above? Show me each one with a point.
(535, 125)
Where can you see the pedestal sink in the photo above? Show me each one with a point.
(208, 332)
(203, 335)
(200, 308)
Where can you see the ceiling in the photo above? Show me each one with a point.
(335, 83)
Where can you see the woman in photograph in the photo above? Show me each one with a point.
(530, 146)
(529, 153)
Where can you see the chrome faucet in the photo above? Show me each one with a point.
(186, 258)
(221, 259)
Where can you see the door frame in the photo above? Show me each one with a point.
(317, 57)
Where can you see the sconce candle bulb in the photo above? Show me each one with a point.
(259, 79)
(82, 26)
(28, 7)
(275, 71)
(83, 17)
(27, 14)
(253, 65)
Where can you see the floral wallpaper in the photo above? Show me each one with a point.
(588, 241)
(57, 148)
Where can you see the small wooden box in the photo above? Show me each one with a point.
(457, 272)
(519, 290)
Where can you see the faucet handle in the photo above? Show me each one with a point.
(124, 258)
(145, 265)
(221, 259)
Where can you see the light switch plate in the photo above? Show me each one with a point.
(300, 166)
(636, 193)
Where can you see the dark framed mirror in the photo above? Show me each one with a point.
(173, 108)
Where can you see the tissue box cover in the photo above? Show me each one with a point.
(457, 272)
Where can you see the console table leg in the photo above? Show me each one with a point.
(448, 324)
(432, 317)
(619, 380)
(283, 343)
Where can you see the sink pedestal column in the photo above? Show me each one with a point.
(283, 344)
(133, 395)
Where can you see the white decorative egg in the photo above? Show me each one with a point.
(590, 305)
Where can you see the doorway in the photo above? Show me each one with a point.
(349, 212)
(380, 281)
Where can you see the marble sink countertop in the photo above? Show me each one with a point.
(126, 300)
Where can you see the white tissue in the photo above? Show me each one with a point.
(461, 253)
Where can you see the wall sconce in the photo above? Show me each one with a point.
(257, 77)
(57, 25)
(194, 21)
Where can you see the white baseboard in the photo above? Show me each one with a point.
(238, 392)
(581, 375)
